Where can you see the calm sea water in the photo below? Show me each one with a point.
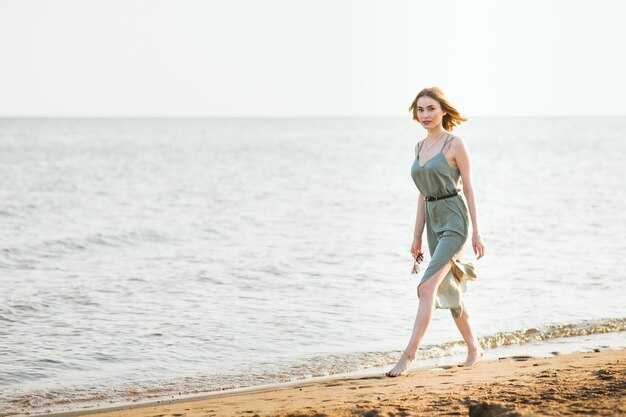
(144, 258)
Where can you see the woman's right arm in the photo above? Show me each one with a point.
(419, 226)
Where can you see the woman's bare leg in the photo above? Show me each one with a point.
(425, 310)
(474, 350)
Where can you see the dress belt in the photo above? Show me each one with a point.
(442, 197)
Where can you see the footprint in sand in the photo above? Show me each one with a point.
(371, 377)
(521, 357)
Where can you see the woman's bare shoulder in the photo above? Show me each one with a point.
(456, 142)
(455, 138)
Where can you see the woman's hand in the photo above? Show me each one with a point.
(478, 245)
(416, 247)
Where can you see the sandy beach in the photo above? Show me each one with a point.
(575, 384)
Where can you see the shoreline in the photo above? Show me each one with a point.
(592, 382)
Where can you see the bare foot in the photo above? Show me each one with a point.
(403, 365)
(473, 356)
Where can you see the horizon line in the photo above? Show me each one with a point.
(469, 116)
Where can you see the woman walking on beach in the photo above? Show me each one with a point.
(442, 164)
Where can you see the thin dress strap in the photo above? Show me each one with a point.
(447, 142)
(419, 148)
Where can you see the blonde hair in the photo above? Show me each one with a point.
(452, 117)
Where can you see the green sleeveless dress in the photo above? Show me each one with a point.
(447, 227)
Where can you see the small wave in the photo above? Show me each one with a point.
(555, 331)
(27, 256)
(4, 317)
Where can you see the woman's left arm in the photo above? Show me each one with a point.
(461, 157)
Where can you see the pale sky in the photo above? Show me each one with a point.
(310, 58)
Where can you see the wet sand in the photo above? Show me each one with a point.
(561, 385)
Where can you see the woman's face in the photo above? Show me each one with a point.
(429, 112)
